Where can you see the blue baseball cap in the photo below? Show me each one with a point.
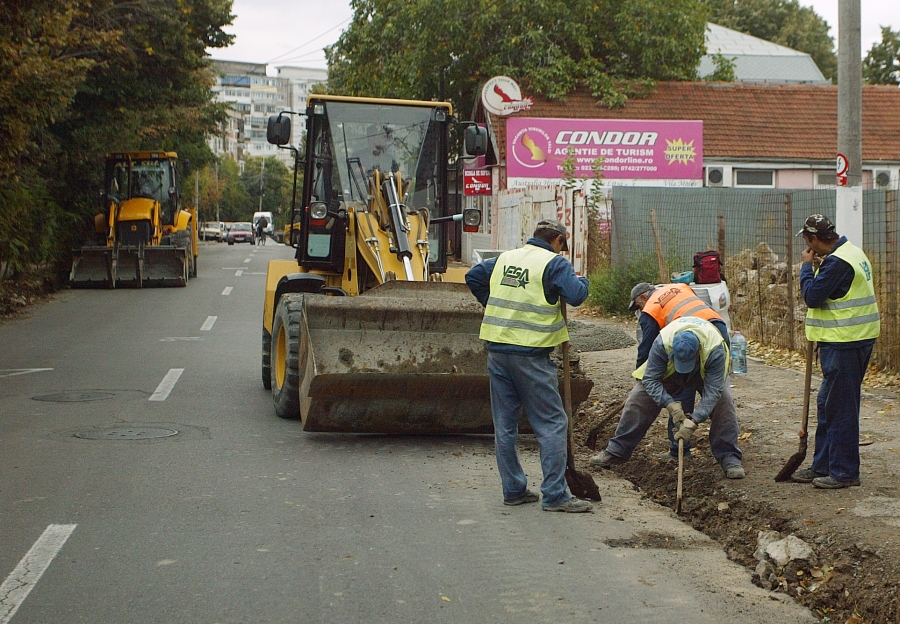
(685, 348)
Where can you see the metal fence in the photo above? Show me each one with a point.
(754, 230)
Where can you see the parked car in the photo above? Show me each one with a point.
(213, 230)
(239, 233)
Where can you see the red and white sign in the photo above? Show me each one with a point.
(477, 181)
(843, 165)
(502, 96)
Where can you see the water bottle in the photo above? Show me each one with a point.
(738, 353)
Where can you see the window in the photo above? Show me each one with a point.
(826, 178)
(754, 177)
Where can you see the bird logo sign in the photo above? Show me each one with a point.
(502, 96)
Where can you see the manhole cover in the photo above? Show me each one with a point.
(75, 397)
(126, 433)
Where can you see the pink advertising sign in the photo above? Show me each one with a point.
(667, 150)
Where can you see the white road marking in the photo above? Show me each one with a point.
(12, 372)
(166, 385)
(227, 290)
(181, 338)
(31, 568)
(239, 272)
(208, 325)
(247, 260)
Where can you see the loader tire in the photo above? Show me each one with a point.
(285, 359)
(266, 359)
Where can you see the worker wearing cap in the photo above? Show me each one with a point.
(523, 323)
(659, 306)
(842, 316)
(688, 353)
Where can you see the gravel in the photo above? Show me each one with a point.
(585, 337)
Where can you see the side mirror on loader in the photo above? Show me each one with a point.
(278, 131)
(476, 140)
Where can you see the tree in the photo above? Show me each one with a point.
(784, 22)
(882, 63)
(443, 49)
(276, 184)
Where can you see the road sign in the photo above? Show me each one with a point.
(842, 165)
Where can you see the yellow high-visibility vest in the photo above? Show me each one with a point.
(517, 311)
(855, 315)
(706, 332)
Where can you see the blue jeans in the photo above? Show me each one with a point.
(640, 411)
(837, 432)
(528, 382)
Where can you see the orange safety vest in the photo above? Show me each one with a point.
(672, 301)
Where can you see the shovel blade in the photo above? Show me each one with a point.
(582, 485)
(795, 461)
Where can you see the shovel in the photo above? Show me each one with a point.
(679, 489)
(581, 484)
(797, 458)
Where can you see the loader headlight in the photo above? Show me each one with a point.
(472, 217)
(318, 210)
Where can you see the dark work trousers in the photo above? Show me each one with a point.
(837, 433)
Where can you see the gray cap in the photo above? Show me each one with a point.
(637, 291)
(556, 226)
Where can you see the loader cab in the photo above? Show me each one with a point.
(142, 175)
(353, 142)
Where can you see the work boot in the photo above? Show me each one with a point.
(605, 459)
(573, 505)
(830, 483)
(527, 497)
(735, 472)
(807, 475)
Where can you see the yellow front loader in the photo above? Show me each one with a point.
(147, 238)
(360, 332)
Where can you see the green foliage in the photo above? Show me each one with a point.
(784, 22)
(444, 49)
(724, 71)
(80, 78)
(611, 286)
(882, 63)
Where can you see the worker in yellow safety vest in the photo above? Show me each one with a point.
(520, 291)
(842, 317)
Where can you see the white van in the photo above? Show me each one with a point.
(270, 228)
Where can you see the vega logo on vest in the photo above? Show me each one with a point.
(867, 270)
(515, 277)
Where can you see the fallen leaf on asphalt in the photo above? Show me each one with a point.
(840, 509)
(744, 436)
(445, 599)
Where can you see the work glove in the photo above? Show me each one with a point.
(676, 412)
(687, 429)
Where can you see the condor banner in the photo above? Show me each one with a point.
(630, 149)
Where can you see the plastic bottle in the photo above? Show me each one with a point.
(738, 353)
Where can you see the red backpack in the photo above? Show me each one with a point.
(707, 267)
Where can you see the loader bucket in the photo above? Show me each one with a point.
(404, 357)
(92, 267)
(162, 265)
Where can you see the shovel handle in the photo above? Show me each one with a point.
(807, 382)
(567, 393)
(679, 490)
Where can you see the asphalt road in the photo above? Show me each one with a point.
(145, 478)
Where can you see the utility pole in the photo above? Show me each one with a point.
(262, 173)
(197, 191)
(849, 221)
(217, 190)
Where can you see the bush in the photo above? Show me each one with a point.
(610, 288)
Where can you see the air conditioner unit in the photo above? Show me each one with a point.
(715, 176)
(882, 178)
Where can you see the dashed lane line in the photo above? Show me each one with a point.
(239, 272)
(31, 568)
(208, 324)
(227, 290)
(166, 385)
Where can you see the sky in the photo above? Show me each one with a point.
(293, 32)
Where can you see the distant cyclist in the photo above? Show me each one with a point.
(261, 226)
